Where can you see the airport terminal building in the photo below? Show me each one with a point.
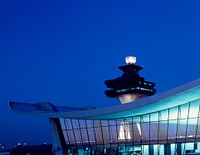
(144, 124)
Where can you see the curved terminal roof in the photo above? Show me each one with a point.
(186, 93)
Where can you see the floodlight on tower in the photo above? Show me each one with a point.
(130, 60)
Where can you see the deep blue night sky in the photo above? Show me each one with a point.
(62, 51)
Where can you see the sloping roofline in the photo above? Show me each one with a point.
(171, 98)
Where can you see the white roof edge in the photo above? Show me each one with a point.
(110, 112)
(136, 104)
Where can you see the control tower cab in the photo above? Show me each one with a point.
(130, 86)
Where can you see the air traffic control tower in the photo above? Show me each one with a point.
(130, 86)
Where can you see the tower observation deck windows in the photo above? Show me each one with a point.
(135, 88)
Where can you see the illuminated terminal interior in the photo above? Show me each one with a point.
(168, 131)
(143, 124)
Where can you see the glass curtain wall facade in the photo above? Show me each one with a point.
(170, 131)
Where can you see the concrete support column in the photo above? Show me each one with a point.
(178, 149)
(151, 149)
(167, 149)
(59, 146)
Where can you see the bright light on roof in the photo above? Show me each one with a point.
(130, 60)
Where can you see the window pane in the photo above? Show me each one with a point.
(84, 135)
(172, 130)
(68, 123)
(173, 114)
(164, 115)
(194, 109)
(75, 124)
(82, 123)
(145, 132)
(163, 126)
(154, 117)
(181, 130)
(77, 136)
(191, 129)
(184, 111)
(89, 123)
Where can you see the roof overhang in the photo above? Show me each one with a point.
(183, 94)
